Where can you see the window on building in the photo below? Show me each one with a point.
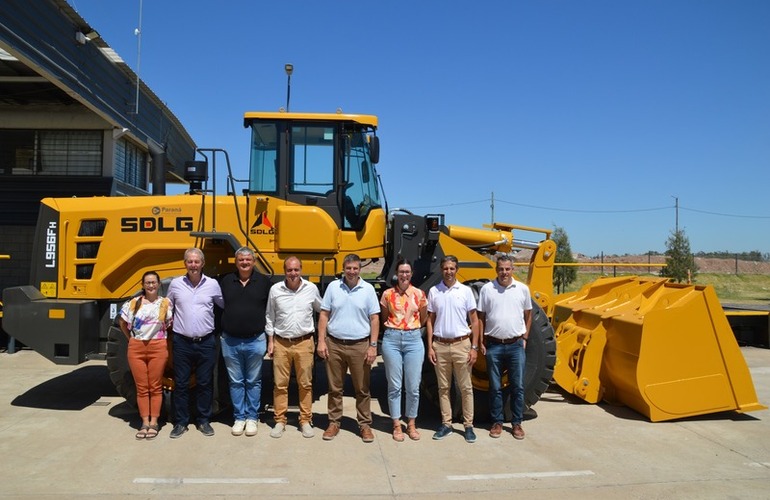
(51, 152)
(130, 164)
(17, 152)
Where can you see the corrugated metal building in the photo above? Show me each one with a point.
(71, 123)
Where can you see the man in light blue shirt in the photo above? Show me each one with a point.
(348, 327)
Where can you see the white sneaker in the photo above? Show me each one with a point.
(277, 430)
(307, 430)
(238, 427)
(251, 427)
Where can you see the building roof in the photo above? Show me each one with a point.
(50, 57)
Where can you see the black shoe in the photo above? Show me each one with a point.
(177, 431)
(442, 432)
(206, 429)
(470, 436)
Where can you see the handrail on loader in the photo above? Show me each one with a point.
(664, 349)
(3, 257)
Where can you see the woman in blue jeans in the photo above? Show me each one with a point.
(404, 311)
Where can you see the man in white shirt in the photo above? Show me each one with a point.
(289, 328)
(505, 314)
(453, 344)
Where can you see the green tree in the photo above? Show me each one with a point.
(563, 275)
(680, 262)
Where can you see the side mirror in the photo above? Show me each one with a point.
(374, 149)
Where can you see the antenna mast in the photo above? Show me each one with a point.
(138, 33)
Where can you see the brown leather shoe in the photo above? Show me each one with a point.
(412, 432)
(331, 432)
(518, 432)
(366, 434)
(496, 431)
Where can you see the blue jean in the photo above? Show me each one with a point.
(201, 356)
(403, 353)
(243, 359)
(512, 357)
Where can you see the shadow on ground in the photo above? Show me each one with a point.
(72, 391)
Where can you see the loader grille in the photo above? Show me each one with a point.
(88, 250)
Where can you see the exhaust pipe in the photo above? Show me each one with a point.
(158, 155)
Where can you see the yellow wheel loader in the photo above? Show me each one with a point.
(313, 191)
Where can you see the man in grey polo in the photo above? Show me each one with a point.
(347, 339)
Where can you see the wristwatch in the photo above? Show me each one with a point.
(372, 344)
(475, 347)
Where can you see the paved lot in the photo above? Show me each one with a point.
(64, 433)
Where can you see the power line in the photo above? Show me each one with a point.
(450, 204)
(578, 210)
(725, 215)
(584, 211)
(496, 200)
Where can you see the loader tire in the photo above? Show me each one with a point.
(538, 371)
(540, 355)
(117, 365)
(121, 377)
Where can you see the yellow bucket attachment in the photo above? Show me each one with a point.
(666, 350)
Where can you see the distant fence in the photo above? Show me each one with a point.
(706, 265)
(627, 266)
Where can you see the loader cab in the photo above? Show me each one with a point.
(317, 160)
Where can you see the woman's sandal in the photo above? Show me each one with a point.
(152, 431)
(413, 433)
(142, 432)
(398, 434)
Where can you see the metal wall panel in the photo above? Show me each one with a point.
(41, 34)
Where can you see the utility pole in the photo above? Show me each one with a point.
(676, 206)
(492, 206)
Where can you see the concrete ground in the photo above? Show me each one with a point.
(64, 433)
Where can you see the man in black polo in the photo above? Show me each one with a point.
(243, 338)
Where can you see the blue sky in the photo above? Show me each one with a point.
(590, 115)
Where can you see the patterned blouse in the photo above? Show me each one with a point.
(403, 308)
(146, 323)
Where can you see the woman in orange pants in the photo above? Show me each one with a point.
(144, 321)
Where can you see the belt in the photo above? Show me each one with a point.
(294, 340)
(249, 336)
(454, 340)
(348, 342)
(196, 339)
(402, 331)
(495, 340)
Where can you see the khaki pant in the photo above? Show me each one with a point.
(300, 355)
(344, 357)
(452, 359)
